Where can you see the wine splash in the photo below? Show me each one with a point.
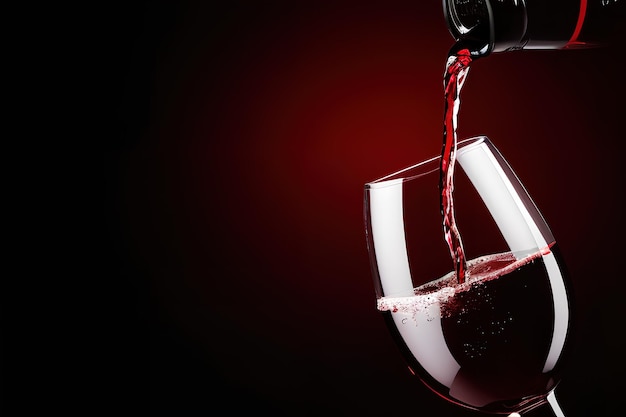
(457, 68)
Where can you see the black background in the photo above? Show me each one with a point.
(230, 145)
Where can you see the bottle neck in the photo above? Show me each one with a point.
(487, 26)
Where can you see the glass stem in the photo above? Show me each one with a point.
(554, 405)
(556, 408)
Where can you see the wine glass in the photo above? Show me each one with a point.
(496, 341)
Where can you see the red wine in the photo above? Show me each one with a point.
(457, 67)
(495, 343)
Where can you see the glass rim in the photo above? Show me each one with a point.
(425, 167)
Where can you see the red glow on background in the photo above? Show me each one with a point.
(282, 138)
(255, 128)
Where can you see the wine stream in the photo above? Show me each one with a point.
(457, 68)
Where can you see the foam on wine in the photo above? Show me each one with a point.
(442, 290)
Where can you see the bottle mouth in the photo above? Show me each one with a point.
(470, 23)
(466, 15)
(487, 26)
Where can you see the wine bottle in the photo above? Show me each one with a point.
(487, 26)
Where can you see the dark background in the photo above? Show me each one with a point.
(231, 148)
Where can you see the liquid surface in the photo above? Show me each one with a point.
(440, 291)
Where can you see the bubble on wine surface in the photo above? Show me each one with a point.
(441, 293)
